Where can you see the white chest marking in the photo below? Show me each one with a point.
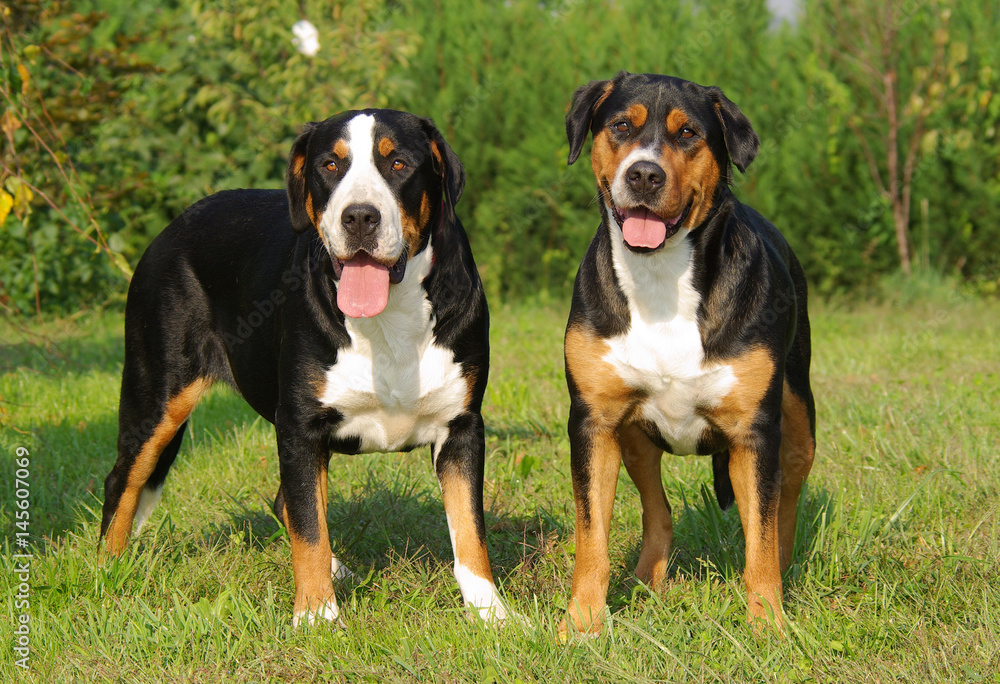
(394, 386)
(661, 353)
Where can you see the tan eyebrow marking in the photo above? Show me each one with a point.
(385, 147)
(676, 119)
(637, 113)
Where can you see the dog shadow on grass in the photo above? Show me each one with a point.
(709, 543)
(386, 522)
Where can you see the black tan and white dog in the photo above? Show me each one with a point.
(688, 333)
(347, 311)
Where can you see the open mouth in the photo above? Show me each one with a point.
(363, 283)
(645, 231)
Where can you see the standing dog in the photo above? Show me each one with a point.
(348, 312)
(688, 333)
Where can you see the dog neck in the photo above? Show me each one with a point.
(405, 323)
(657, 286)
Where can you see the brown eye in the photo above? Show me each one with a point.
(398, 165)
(687, 132)
(621, 127)
(331, 166)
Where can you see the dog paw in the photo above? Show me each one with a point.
(493, 614)
(328, 612)
(565, 633)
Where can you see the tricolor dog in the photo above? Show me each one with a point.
(347, 311)
(688, 333)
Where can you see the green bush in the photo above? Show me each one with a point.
(143, 110)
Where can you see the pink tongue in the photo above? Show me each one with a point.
(363, 290)
(643, 228)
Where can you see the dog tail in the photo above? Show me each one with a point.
(723, 485)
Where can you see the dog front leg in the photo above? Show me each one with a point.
(595, 456)
(303, 468)
(756, 483)
(458, 462)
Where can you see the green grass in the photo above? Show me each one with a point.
(894, 579)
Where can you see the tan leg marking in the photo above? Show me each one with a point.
(760, 529)
(796, 456)
(592, 570)
(642, 461)
(472, 562)
(470, 550)
(609, 402)
(311, 563)
(735, 416)
(175, 413)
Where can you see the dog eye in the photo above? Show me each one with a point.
(398, 165)
(621, 126)
(687, 132)
(331, 166)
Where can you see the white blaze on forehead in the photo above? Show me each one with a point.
(363, 184)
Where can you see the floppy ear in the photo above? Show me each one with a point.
(446, 164)
(742, 142)
(581, 112)
(295, 181)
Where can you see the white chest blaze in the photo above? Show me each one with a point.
(661, 354)
(394, 386)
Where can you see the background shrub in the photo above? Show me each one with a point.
(117, 116)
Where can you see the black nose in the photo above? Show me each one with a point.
(645, 178)
(360, 218)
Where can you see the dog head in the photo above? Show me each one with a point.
(662, 151)
(373, 183)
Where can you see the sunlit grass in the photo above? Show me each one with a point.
(894, 577)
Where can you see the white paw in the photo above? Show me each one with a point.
(493, 614)
(481, 594)
(328, 612)
(338, 570)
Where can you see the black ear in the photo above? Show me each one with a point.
(581, 113)
(447, 164)
(742, 142)
(295, 180)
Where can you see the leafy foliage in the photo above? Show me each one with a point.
(118, 116)
(56, 83)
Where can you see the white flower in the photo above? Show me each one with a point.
(306, 38)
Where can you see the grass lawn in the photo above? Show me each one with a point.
(896, 577)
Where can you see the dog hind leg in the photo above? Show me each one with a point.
(146, 450)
